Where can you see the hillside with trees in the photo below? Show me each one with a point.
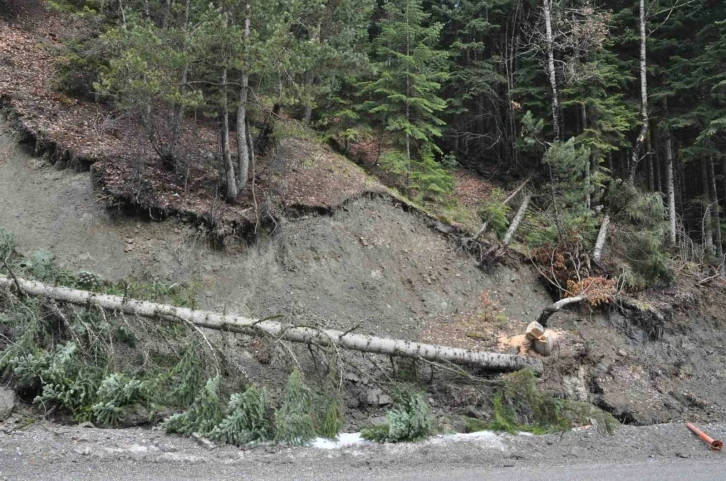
(414, 181)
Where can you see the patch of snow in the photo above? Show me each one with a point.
(485, 438)
(344, 440)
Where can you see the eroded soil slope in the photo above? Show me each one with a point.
(374, 265)
(370, 263)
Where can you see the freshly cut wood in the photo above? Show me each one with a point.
(517, 219)
(601, 237)
(534, 331)
(558, 306)
(544, 345)
(307, 335)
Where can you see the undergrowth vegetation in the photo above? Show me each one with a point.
(410, 419)
(519, 406)
(86, 364)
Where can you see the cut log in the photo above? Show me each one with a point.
(517, 219)
(534, 331)
(556, 307)
(601, 237)
(308, 335)
(544, 345)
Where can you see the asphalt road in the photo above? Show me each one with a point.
(652, 470)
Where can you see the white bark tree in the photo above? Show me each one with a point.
(517, 219)
(307, 335)
(549, 41)
(243, 153)
(638, 145)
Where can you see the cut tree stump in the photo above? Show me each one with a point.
(492, 361)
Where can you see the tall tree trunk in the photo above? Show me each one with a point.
(310, 76)
(723, 181)
(638, 146)
(232, 191)
(649, 163)
(715, 210)
(517, 219)
(556, 128)
(178, 110)
(243, 155)
(670, 188)
(588, 179)
(277, 330)
(707, 221)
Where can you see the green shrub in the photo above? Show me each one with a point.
(203, 415)
(42, 266)
(495, 213)
(63, 380)
(431, 179)
(294, 420)
(7, 243)
(331, 420)
(116, 394)
(248, 419)
(410, 420)
(520, 406)
(638, 236)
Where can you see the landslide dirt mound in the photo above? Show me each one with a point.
(381, 268)
(370, 263)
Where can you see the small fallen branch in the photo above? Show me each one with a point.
(307, 335)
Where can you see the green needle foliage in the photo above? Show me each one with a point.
(203, 415)
(294, 420)
(248, 420)
(411, 420)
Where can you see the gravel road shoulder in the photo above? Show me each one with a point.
(48, 451)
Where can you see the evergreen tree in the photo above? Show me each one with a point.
(408, 73)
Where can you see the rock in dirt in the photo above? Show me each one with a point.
(7, 402)
(376, 397)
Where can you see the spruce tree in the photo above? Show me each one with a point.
(404, 94)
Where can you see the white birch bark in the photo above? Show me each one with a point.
(638, 146)
(551, 69)
(601, 237)
(307, 335)
(517, 219)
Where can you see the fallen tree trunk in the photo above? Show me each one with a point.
(308, 335)
(484, 226)
(558, 306)
(601, 237)
(517, 219)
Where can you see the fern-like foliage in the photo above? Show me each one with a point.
(248, 419)
(115, 395)
(410, 420)
(203, 415)
(294, 420)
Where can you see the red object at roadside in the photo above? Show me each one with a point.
(715, 444)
